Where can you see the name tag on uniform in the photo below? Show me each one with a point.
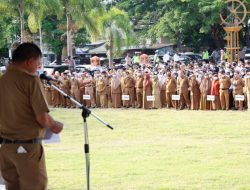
(86, 97)
(176, 97)
(239, 98)
(210, 98)
(150, 98)
(125, 97)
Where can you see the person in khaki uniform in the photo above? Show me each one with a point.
(101, 89)
(129, 89)
(116, 91)
(139, 89)
(22, 158)
(247, 87)
(55, 95)
(65, 87)
(89, 90)
(205, 89)
(224, 90)
(156, 92)
(183, 85)
(171, 87)
(75, 89)
(238, 85)
(195, 92)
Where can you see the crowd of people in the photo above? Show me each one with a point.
(170, 84)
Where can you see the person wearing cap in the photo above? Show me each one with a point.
(183, 85)
(171, 87)
(225, 83)
(194, 92)
(238, 85)
(215, 91)
(55, 95)
(89, 89)
(24, 118)
(129, 89)
(65, 87)
(247, 87)
(75, 88)
(102, 90)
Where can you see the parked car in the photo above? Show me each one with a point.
(194, 56)
(82, 68)
(184, 58)
(51, 69)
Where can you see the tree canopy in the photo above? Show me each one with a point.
(68, 23)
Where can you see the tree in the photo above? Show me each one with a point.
(37, 10)
(77, 15)
(115, 28)
(18, 6)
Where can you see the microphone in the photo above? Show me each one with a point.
(47, 78)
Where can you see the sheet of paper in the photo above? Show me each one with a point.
(51, 137)
(1, 180)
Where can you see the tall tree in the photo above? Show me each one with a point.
(115, 28)
(18, 8)
(77, 15)
(37, 11)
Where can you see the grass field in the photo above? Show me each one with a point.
(153, 150)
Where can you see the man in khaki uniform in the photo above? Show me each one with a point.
(224, 90)
(65, 87)
(238, 85)
(171, 86)
(183, 85)
(139, 89)
(101, 89)
(89, 90)
(22, 160)
(129, 89)
(75, 88)
(55, 95)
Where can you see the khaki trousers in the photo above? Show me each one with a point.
(23, 171)
(184, 100)
(90, 91)
(224, 99)
(139, 97)
(169, 101)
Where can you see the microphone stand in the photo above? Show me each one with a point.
(85, 114)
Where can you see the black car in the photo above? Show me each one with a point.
(51, 69)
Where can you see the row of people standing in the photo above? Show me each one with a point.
(132, 88)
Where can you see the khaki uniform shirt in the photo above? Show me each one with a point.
(21, 99)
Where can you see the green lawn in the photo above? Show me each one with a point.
(153, 150)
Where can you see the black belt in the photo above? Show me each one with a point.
(7, 141)
(224, 89)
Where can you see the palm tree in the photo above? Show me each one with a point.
(18, 6)
(36, 11)
(115, 27)
(77, 15)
